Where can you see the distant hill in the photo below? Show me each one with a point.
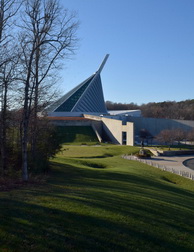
(183, 110)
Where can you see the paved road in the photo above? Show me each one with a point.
(175, 162)
(172, 164)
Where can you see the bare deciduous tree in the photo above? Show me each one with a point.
(190, 136)
(179, 135)
(48, 36)
(166, 136)
(8, 10)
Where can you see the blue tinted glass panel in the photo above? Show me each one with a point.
(68, 105)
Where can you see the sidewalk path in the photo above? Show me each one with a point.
(172, 164)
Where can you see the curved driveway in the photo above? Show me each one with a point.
(174, 162)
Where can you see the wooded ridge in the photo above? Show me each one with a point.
(182, 110)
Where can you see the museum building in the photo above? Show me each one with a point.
(84, 105)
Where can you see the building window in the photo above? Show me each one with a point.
(124, 138)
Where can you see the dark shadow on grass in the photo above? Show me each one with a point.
(126, 184)
(100, 156)
(80, 176)
(117, 212)
(168, 180)
(32, 227)
(93, 165)
(164, 193)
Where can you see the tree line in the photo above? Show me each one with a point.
(178, 136)
(168, 137)
(183, 110)
(36, 36)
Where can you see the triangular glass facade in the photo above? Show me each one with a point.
(86, 97)
(68, 105)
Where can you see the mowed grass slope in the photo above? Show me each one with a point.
(76, 134)
(94, 200)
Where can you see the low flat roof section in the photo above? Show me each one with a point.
(58, 118)
(135, 112)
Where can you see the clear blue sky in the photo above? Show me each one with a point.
(151, 47)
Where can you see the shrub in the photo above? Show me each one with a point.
(143, 154)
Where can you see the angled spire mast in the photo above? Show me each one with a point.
(102, 64)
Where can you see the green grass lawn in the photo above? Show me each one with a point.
(93, 200)
(76, 134)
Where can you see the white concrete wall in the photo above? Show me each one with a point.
(129, 128)
(155, 125)
(97, 128)
(114, 129)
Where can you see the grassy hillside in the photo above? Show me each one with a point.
(94, 200)
(77, 134)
